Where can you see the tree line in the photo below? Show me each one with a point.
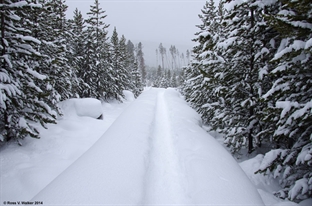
(251, 79)
(168, 72)
(46, 58)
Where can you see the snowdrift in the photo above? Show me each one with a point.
(85, 107)
(129, 165)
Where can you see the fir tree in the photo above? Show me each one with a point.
(141, 62)
(119, 58)
(136, 85)
(291, 95)
(77, 47)
(98, 73)
(21, 99)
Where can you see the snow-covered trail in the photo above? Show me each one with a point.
(155, 153)
(165, 181)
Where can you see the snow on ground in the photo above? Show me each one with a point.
(154, 153)
(266, 185)
(86, 107)
(28, 169)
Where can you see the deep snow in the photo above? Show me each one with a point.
(28, 169)
(153, 151)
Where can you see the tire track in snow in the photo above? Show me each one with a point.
(164, 183)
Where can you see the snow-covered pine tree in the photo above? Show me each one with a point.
(136, 85)
(59, 69)
(118, 58)
(247, 53)
(51, 29)
(202, 78)
(136, 79)
(77, 46)
(158, 77)
(162, 51)
(141, 61)
(98, 73)
(21, 99)
(291, 94)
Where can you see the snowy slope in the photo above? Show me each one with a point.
(154, 153)
(28, 169)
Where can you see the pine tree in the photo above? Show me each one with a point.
(21, 99)
(118, 57)
(291, 94)
(136, 85)
(162, 51)
(202, 74)
(136, 80)
(77, 47)
(59, 70)
(98, 73)
(247, 53)
(141, 62)
(51, 29)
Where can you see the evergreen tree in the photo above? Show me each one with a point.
(291, 94)
(118, 57)
(136, 85)
(77, 47)
(141, 62)
(162, 51)
(98, 73)
(21, 99)
(55, 36)
(136, 79)
(51, 29)
(247, 53)
(203, 75)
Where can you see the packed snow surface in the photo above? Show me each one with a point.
(155, 153)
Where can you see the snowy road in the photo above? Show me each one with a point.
(165, 180)
(155, 153)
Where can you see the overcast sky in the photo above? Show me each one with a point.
(171, 22)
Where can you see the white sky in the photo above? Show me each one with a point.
(151, 22)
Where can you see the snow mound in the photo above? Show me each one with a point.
(86, 107)
(128, 95)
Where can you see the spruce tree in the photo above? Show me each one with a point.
(291, 94)
(97, 73)
(21, 99)
(247, 52)
(135, 79)
(141, 62)
(56, 49)
(202, 74)
(77, 47)
(118, 57)
(51, 29)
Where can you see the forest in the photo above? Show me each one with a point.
(47, 58)
(250, 79)
(249, 75)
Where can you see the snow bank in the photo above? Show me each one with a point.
(85, 107)
(112, 171)
(266, 184)
(213, 176)
(129, 96)
(26, 170)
